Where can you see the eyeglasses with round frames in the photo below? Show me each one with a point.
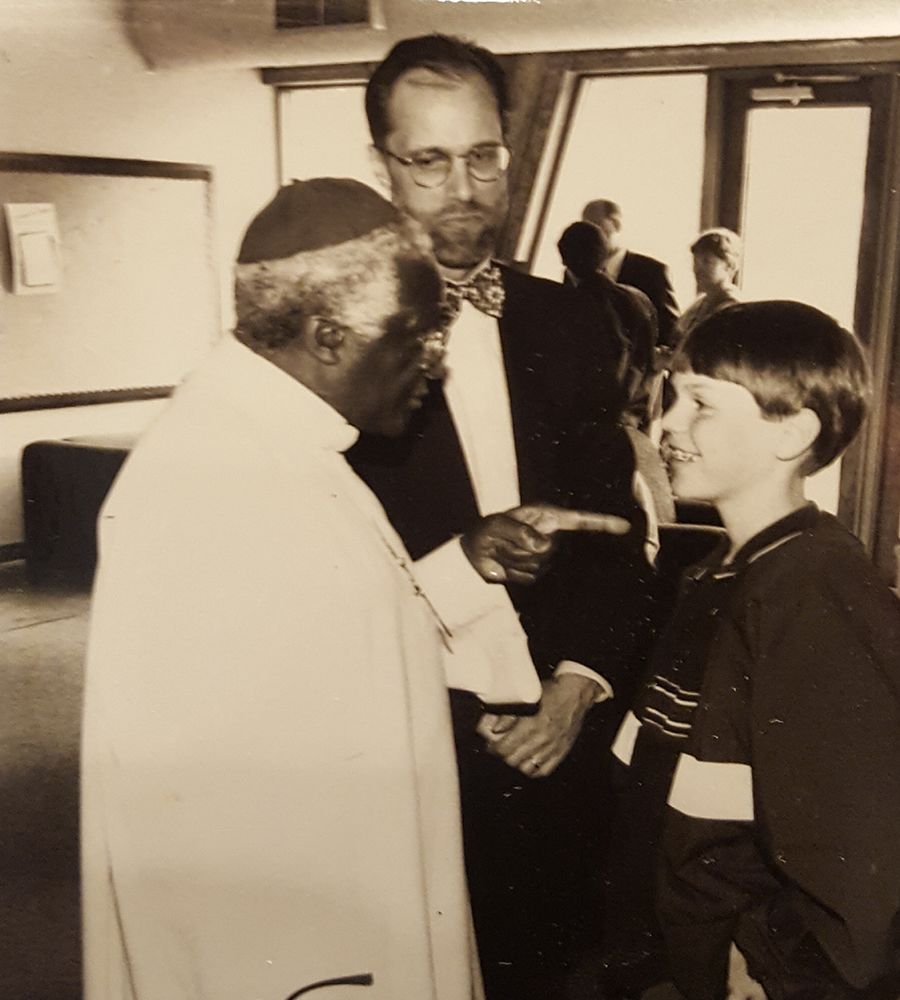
(430, 168)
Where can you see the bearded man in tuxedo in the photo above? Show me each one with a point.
(528, 414)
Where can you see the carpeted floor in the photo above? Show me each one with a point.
(42, 642)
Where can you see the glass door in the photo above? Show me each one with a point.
(793, 184)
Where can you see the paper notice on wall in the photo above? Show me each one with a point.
(34, 248)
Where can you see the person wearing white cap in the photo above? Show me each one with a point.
(269, 795)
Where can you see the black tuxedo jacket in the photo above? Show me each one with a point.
(631, 312)
(652, 278)
(565, 404)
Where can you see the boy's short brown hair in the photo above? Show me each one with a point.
(789, 356)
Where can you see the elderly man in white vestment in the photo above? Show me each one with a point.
(269, 791)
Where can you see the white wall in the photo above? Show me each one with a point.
(242, 33)
(70, 82)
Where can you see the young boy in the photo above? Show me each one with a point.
(763, 754)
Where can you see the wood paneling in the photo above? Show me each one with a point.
(534, 85)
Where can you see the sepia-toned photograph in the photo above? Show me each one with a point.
(449, 500)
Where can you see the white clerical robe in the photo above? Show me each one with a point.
(269, 793)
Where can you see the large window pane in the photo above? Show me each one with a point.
(803, 205)
(802, 215)
(637, 140)
(324, 133)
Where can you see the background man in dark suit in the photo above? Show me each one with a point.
(628, 268)
(528, 413)
(626, 309)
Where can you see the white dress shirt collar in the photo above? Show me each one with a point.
(478, 397)
(287, 408)
(613, 265)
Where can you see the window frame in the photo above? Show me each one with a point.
(547, 85)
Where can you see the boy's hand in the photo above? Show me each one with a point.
(741, 985)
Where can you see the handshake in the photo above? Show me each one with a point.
(515, 546)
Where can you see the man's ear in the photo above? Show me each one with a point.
(325, 340)
(379, 168)
(798, 433)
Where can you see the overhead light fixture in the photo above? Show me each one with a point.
(792, 95)
(292, 14)
(781, 77)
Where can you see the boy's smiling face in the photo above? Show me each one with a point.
(718, 444)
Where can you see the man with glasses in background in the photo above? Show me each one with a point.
(636, 270)
(528, 413)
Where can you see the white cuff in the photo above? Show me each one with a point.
(605, 691)
(488, 652)
(491, 659)
(459, 595)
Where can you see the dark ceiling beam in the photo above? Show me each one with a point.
(837, 52)
(534, 85)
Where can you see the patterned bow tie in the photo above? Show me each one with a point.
(484, 290)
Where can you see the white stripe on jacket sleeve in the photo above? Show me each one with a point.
(712, 790)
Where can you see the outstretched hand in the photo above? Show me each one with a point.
(548, 519)
(506, 549)
(516, 545)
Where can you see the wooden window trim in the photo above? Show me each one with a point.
(676, 58)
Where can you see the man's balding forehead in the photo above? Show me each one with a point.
(601, 208)
(435, 76)
(447, 78)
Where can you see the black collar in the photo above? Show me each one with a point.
(765, 541)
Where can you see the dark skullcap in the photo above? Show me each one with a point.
(312, 215)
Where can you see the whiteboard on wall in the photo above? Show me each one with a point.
(137, 302)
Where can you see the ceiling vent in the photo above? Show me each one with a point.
(291, 14)
(251, 33)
